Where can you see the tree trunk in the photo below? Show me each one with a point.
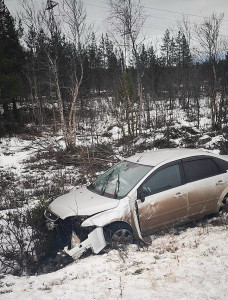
(6, 110)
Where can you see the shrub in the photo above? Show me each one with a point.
(24, 240)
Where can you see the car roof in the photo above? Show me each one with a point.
(155, 157)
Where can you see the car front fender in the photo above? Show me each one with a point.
(120, 213)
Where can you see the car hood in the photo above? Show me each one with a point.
(81, 202)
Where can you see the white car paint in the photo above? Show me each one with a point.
(81, 202)
(102, 210)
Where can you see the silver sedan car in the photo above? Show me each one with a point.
(139, 196)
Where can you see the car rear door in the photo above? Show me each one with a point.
(166, 200)
(204, 184)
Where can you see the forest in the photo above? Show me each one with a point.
(54, 69)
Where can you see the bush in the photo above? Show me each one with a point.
(24, 241)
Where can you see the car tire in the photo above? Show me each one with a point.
(224, 206)
(119, 234)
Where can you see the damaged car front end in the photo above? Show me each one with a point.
(73, 237)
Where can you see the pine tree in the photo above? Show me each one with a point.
(165, 49)
(179, 58)
(173, 56)
(178, 48)
(183, 58)
(111, 64)
(151, 72)
(102, 52)
(186, 54)
(11, 59)
(143, 58)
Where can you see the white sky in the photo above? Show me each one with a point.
(161, 14)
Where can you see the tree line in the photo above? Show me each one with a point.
(47, 73)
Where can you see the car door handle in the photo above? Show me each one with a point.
(220, 182)
(178, 195)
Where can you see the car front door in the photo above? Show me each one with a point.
(165, 200)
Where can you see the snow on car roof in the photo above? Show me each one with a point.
(155, 157)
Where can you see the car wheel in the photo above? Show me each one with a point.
(119, 234)
(224, 206)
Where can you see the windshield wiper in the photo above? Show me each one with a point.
(105, 184)
(117, 189)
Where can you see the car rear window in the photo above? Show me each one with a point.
(198, 169)
(223, 164)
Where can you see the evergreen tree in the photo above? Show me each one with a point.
(168, 50)
(102, 52)
(151, 72)
(11, 60)
(112, 66)
(186, 54)
(173, 57)
(111, 59)
(183, 59)
(165, 49)
(178, 48)
(143, 58)
(93, 52)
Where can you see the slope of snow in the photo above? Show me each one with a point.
(13, 151)
(190, 265)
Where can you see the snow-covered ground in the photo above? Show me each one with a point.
(13, 151)
(190, 265)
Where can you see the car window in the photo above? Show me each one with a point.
(199, 169)
(223, 164)
(164, 179)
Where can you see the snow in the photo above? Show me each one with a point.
(192, 264)
(115, 132)
(13, 151)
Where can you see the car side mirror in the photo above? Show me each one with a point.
(141, 195)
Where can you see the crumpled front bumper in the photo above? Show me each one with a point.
(95, 241)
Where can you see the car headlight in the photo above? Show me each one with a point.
(50, 216)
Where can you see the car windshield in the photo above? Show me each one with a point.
(120, 179)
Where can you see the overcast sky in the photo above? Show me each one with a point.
(161, 14)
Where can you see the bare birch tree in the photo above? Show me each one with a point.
(208, 35)
(79, 33)
(72, 19)
(127, 18)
